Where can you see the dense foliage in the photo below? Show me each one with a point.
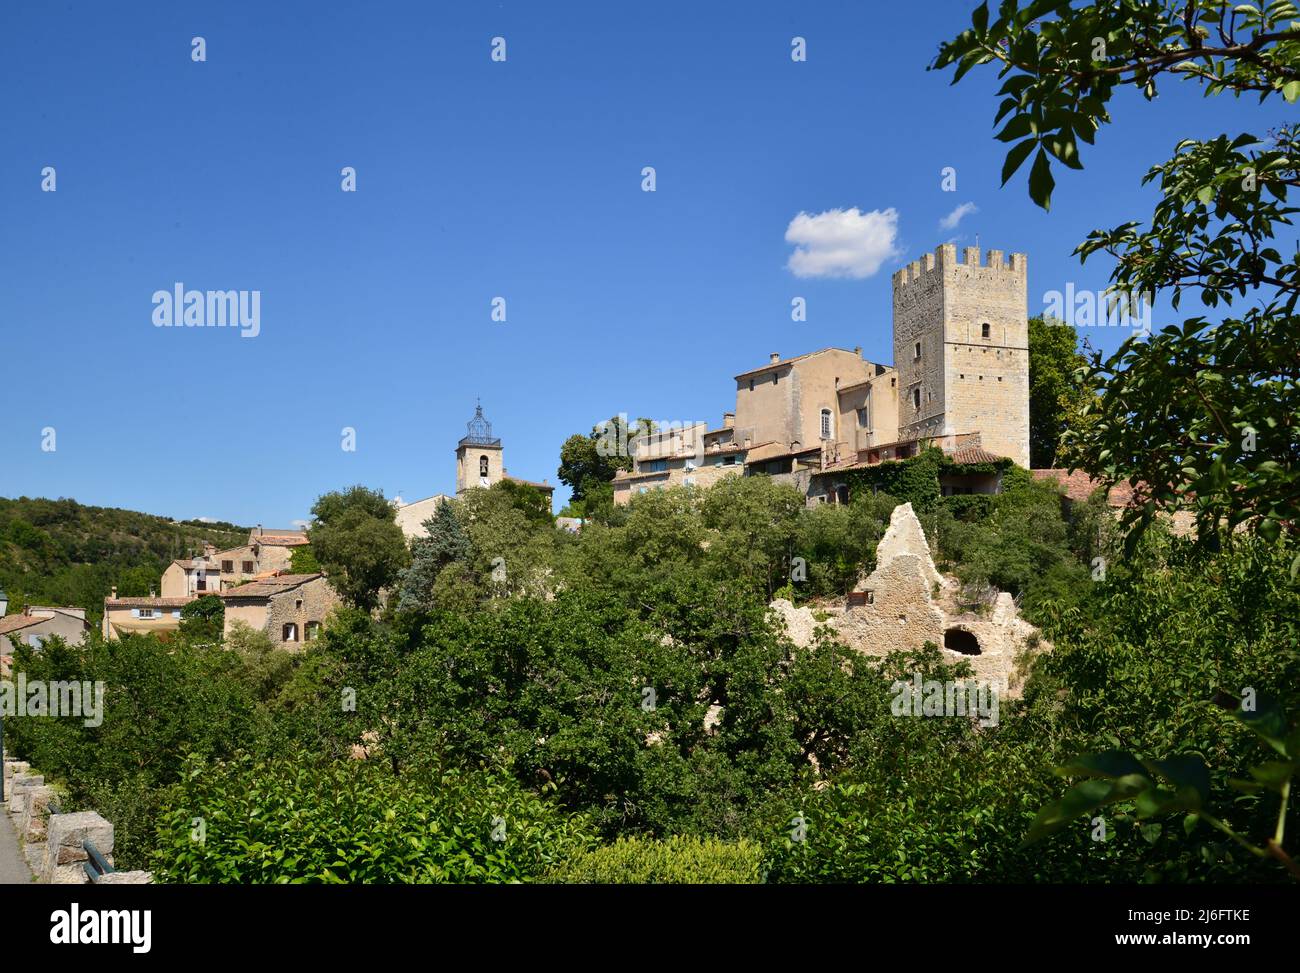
(624, 704)
(1204, 414)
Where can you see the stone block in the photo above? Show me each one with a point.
(126, 878)
(65, 850)
(17, 790)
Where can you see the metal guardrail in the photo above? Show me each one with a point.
(97, 867)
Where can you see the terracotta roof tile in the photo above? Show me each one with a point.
(970, 455)
(12, 623)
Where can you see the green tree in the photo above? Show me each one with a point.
(358, 544)
(1057, 396)
(588, 463)
(203, 619)
(445, 542)
(1203, 414)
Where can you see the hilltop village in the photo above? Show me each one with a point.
(959, 383)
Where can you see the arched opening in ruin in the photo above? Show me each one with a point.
(960, 640)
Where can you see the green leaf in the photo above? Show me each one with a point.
(1108, 763)
(1041, 182)
(1015, 158)
(1187, 770)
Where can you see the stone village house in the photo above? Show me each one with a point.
(290, 608)
(266, 553)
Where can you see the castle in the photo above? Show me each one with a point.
(960, 381)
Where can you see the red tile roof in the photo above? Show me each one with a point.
(970, 455)
(12, 623)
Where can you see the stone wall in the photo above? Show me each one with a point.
(54, 844)
(906, 602)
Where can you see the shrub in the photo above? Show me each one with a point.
(679, 860)
(294, 819)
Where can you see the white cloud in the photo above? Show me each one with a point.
(300, 523)
(950, 221)
(842, 242)
(206, 520)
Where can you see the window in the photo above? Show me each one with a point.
(248, 567)
(728, 461)
(984, 330)
(657, 466)
(482, 466)
(916, 399)
(826, 423)
(35, 641)
(310, 631)
(146, 613)
(298, 605)
(864, 419)
(289, 633)
(201, 583)
(871, 597)
(918, 350)
(228, 567)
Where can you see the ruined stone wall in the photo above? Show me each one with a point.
(905, 602)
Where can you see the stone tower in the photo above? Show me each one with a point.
(478, 455)
(961, 349)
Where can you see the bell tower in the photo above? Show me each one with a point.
(478, 455)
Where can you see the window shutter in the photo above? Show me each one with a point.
(135, 613)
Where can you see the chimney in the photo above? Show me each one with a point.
(857, 350)
(152, 592)
(774, 357)
(728, 420)
(113, 593)
(259, 530)
(209, 549)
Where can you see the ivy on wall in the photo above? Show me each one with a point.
(914, 481)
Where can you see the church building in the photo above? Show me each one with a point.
(479, 463)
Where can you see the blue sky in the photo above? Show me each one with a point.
(475, 179)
